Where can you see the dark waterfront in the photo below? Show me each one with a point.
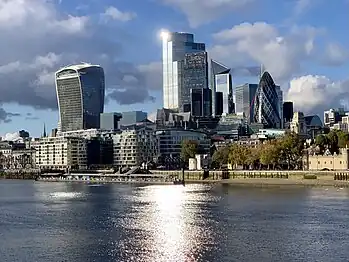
(78, 222)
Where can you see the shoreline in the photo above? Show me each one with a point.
(252, 182)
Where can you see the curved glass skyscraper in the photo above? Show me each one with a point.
(267, 103)
(80, 94)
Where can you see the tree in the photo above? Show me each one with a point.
(254, 156)
(332, 142)
(343, 139)
(220, 157)
(270, 153)
(321, 141)
(239, 155)
(188, 149)
(291, 149)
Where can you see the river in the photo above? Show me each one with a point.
(79, 222)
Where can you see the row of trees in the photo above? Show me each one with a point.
(332, 141)
(283, 153)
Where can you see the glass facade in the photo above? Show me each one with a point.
(219, 103)
(244, 100)
(201, 102)
(267, 103)
(80, 94)
(287, 111)
(132, 117)
(109, 121)
(224, 85)
(174, 47)
(195, 76)
(221, 81)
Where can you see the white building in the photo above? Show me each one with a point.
(61, 153)
(134, 147)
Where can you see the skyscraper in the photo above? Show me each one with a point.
(174, 48)
(195, 76)
(80, 94)
(201, 104)
(222, 82)
(281, 105)
(244, 100)
(287, 111)
(267, 103)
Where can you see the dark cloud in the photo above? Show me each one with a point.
(6, 117)
(46, 40)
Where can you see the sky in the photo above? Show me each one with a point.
(302, 43)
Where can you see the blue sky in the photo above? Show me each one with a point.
(302, 43)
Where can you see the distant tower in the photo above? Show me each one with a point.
(80, 94)
(44, 133)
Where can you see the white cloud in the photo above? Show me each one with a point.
(262, 43)
(313, 93)
(201, 12)
(12, 137)
(113, 13)
(335, 54)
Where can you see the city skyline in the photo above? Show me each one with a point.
(294, 43)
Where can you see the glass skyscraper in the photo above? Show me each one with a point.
(222, 82)
(80, 94)
(267, 103)
(174, 48)
(195, 76)
(244, 100)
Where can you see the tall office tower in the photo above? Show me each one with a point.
(287, 111)
(174, 47)
(201, 103)
(244, 100)
(80, 94)
(218, 104)
(195, 76)
(222, 82)
(267, 103)
(280, 106)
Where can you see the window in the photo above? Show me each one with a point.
(340, 162)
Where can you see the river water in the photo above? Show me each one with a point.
(78, 222)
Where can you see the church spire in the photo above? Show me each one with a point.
(44, 133)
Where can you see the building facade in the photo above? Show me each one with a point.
(80, 95)
(201, 103)
(174, 48)
(110, 121)
(61, 153)
(135, 146)
(245, 100)
(333, 116)
(195, 76)
(222, 82)
(327, 161)
(170, 143)
(132, 117)
(287, 111)
(267, 103)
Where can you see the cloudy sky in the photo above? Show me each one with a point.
(302, 43)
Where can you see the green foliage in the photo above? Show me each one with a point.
(270, 153)
(188, 149)
(220, 157)
(334, 140)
